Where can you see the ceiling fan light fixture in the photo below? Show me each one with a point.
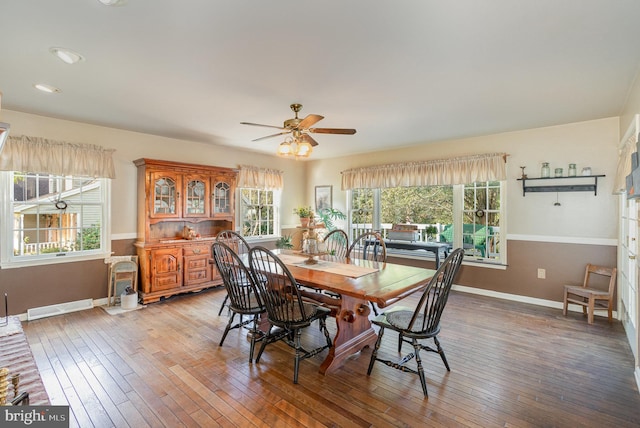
(285, 149)
(293, 147)
(303, 149)
(299, 143)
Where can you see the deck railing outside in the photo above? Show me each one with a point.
(491, 251)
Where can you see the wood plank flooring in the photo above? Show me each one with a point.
(512, 364)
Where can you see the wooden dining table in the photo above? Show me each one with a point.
(357, 282)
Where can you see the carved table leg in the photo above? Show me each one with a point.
(354, 332)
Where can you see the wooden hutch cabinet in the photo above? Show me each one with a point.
(181, 209)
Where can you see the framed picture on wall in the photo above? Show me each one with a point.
(323, 197)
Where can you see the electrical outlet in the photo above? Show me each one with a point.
(542, 273)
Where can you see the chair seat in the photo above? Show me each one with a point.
(253, 306)
(295, 319)
(590, 297)
(398, 319)
(585, 291)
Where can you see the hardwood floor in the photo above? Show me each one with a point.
(512, 364)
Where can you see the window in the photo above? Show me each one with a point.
(466, 216)
(259, 212)
(51, 217)
(481, 218)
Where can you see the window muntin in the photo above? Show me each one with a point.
(481, 209)
(259, 212)
(50, 216)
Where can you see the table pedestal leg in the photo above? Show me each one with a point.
(354, 332)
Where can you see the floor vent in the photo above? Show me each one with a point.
(59, 309)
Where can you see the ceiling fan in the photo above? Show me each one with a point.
(300, 128)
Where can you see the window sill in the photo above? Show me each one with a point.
(6, 264)
(468, 260)
(485, 264)
(261, 239)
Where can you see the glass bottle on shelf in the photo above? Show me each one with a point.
(572, 170)
(558, 172)
(546, 171)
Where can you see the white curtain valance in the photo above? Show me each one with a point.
(460, 170)
(260, 178)
(35, 154)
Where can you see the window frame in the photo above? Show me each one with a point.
(458, 219)
(276, 197)
(7, 258)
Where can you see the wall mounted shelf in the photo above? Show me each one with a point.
(538, 187)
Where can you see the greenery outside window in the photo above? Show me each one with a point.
(466, 216)
(53, 218)
(259, 210)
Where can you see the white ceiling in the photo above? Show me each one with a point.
(400, 72)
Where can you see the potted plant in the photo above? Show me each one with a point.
(305, 213)
(284, 242)
(327, 215)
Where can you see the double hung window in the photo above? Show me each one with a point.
(467, 216)
(259, 212)
(51, 218)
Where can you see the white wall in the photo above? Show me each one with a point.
(131, 145)
(581, 214)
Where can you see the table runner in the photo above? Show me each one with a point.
(344, 269)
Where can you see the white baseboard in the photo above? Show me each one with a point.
(59, 309)
(97, 302)
(637, 375)
(464, 289)
(525, 299)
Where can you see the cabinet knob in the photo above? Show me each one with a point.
(196, 251)
(632, 257)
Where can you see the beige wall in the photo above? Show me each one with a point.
(581, 215)
(47, 285)
(132, 145)
(583, 220)
(561, 239)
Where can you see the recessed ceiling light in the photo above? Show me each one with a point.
(67, 55)
(47, 88)
(112, 2)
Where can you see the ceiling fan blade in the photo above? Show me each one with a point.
(309, 139)
(273, 135)
(265, 126)
(309, 121)
(332, 131)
